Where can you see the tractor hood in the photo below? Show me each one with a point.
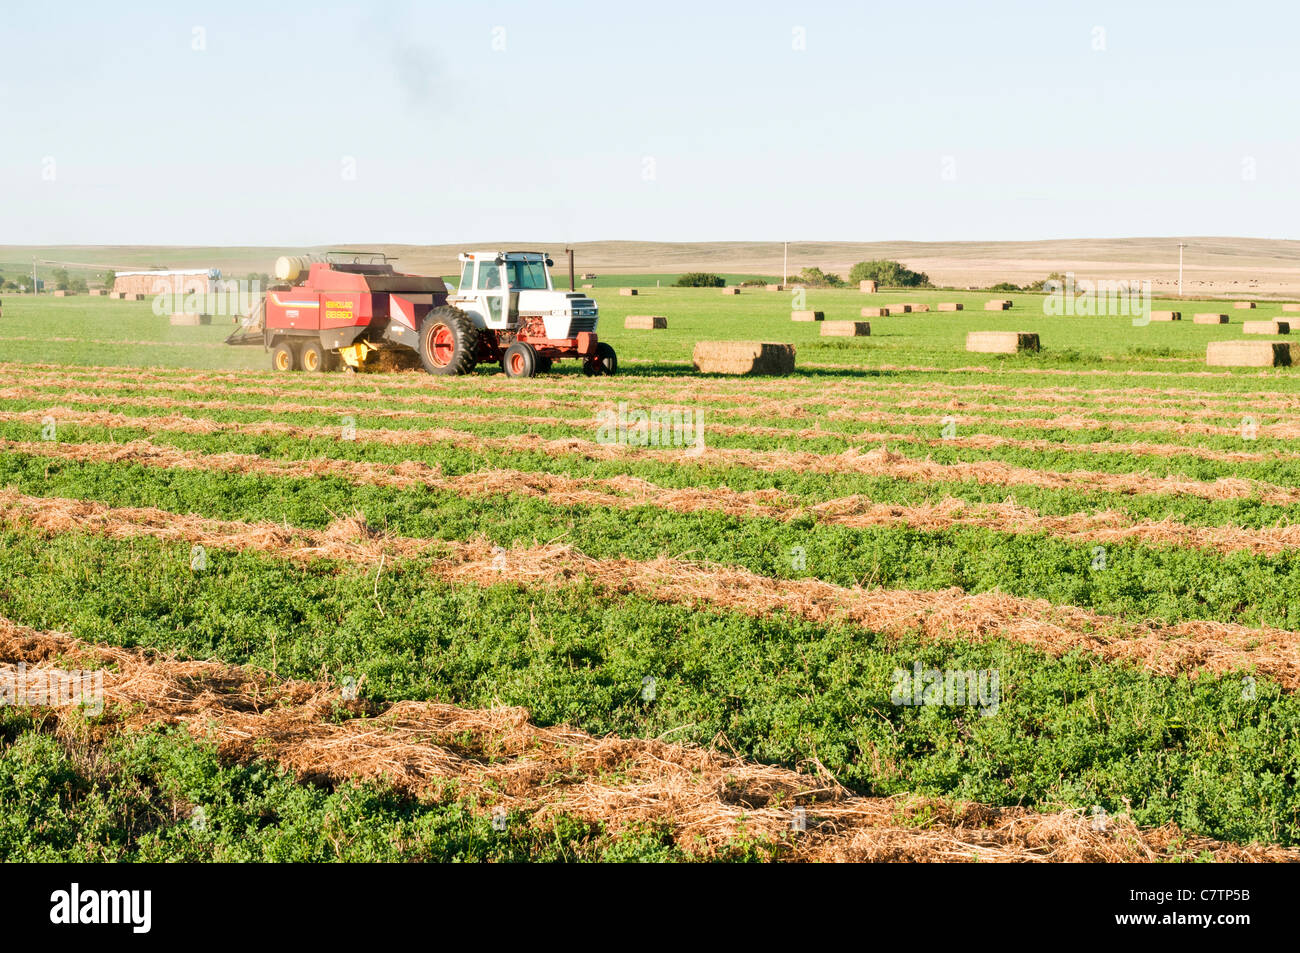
(565, 313)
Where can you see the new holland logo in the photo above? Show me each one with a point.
(75, 906)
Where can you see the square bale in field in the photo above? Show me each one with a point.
(915, 307)
(645, 322)
(115, 295)
(1291, 307)
(1001, 342)
(875, 312)
(1265, 327)
(731, 291)
(867, 286)
(97, 292)
(998, 304)
(949, 306)
(64, 294)
(743, 357)
(1251, 354)
(190, 319)
(807, 315)
(773, 287)
(1207, 317)
(588, 275)
(128, 296)
(587, 287)
(627, 292)
(846, 329)
(1244, 305)
(1166, 316)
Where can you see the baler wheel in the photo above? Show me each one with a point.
(520, 360)
(284, 357)
(543, 364)
(448, 341)
(312, 358)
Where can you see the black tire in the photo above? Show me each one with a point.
(313, 358)
(448, 341)
(604, 363)
(543, 364)
(520, 360)
(284, 357)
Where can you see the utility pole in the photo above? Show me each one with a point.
(33, 276)
(1181, 246)
(785, 264)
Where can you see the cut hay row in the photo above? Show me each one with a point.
(876, 462)
(1165, 649)
(1045, 399)
(1162, 422)
(707, 800)
(628, 492)
(177, 423)
(370, 388)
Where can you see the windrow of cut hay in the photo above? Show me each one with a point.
(707, 800)
(629, 492)
(1172, 649)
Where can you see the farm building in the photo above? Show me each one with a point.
(175, 281)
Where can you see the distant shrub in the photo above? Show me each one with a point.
(816, 278)
(1005, 286)
(700, 279)
(888, 274)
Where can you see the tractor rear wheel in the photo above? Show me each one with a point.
(520, 360)
(313, 358)
(284, 357)
(604, 363)
(448, 341)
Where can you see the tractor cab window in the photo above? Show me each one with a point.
(489, 276)
(467, 277)
(526, 275)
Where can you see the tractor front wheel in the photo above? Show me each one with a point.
(520, 360)
(284, 357)
(604, 363)
(448, 341)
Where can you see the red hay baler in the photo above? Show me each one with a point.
(345, 310)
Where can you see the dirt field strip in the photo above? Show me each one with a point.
(1186, 647)
(706, 798)
(857, 512)
(876, 462)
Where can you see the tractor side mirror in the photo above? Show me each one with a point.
(549, 263)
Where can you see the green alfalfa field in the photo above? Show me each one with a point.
(398, 617)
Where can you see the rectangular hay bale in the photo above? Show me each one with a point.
(774, 287)
(1265, 327)
(846, 329)
(645, 322)
(807, 315)
(1291, 307)
(1001, 342)
(1251, 354)
(999, 304)
(1206, 317)
(1244, 305)
(949, 306)
(915, 307)
(867, 286)
(627, 292)
(743, 357)
(731, 291)
(190, 319)
(875, 312)
(1166, 316)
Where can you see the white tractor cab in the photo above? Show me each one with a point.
(507, 309)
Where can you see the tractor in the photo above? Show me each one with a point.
(348, 310)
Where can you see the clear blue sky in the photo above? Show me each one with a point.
(909, 120)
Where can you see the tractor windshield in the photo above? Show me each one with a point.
(526, 275)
